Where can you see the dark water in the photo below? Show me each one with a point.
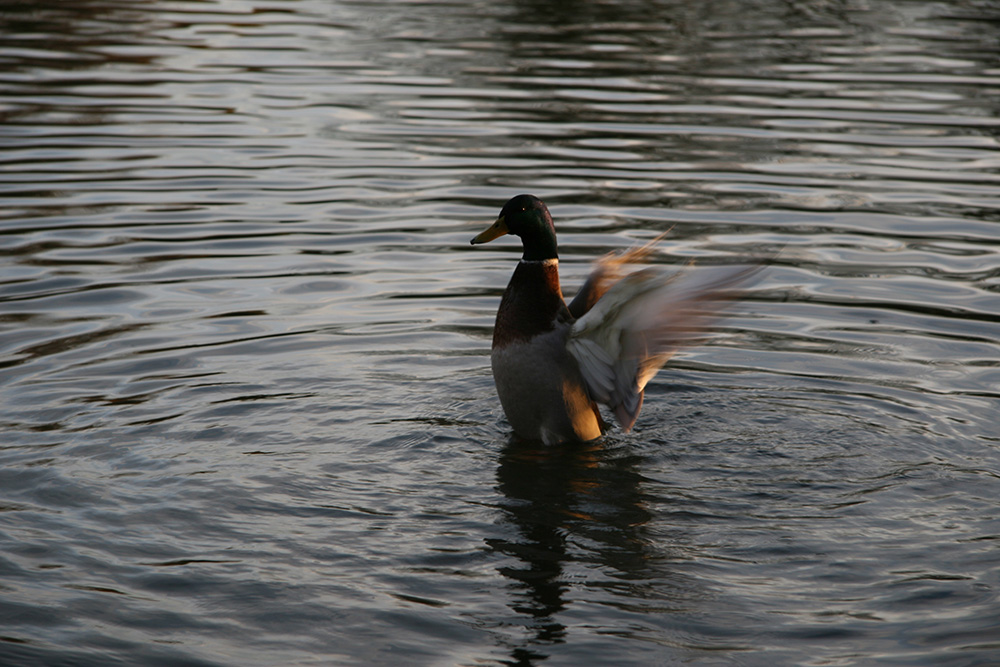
(246, 409)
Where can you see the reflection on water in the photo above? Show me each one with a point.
(246, 416)
(568, 505)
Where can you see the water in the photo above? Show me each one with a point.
(247, 414)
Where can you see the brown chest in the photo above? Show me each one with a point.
(532, 303)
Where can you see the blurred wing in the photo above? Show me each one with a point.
(607, 271)
(641, 320)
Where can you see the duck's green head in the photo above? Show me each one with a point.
(525, 216)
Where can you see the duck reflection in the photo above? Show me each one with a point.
(568, 506)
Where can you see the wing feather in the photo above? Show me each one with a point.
(596, 366)
(639, 322)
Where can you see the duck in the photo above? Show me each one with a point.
(555, 362)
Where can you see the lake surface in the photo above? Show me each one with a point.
(246, 407)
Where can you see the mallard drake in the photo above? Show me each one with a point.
(553, 362)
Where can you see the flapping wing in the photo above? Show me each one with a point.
(639, 322)
(608, 270)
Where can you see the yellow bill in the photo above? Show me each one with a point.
(496, 230)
